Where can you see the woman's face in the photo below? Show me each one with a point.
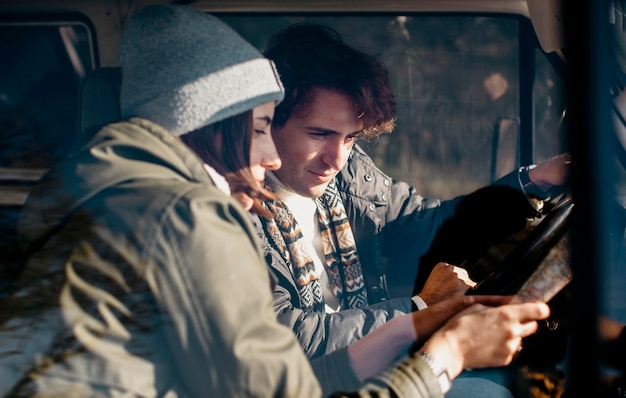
(263, 154)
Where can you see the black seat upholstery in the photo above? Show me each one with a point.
(99, 99)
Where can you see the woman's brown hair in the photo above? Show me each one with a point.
(232, 158)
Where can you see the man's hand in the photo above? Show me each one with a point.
(484, 336)
(428, 321)
(445, 281)
(552, 172)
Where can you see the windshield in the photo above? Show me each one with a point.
(454, 78)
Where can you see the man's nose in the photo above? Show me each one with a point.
(336, 154)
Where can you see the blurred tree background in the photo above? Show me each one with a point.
(453, 78)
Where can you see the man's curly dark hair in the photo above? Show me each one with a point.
(309, 56)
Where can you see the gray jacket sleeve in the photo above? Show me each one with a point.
(321, 333)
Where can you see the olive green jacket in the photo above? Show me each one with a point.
(144, 279)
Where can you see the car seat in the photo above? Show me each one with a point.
(99, 100)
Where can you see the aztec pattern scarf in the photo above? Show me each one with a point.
(342, 260)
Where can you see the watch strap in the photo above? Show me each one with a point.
(529, 186)
(438, 369)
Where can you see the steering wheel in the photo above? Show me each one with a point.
(510, 274)
(538, 268)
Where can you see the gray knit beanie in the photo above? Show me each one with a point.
(185, 69)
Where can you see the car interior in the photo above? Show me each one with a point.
(483, 88)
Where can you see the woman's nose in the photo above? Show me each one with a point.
(271, 159)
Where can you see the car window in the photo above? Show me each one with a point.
(40, 72)
(42, 64)
(549, 99)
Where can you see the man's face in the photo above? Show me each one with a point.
(314, 143)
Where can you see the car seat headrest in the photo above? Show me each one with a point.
(99, 99)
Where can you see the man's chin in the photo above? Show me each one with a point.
(309, 190)
(317, 191)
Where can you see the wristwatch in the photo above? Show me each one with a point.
(438, 369)
(529, 186)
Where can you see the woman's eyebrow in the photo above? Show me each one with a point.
(265, 118)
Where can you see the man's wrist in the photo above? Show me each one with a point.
(528, 186)
(534, 194)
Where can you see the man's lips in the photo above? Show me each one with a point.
(324, 176)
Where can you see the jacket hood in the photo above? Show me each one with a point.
(133, 149)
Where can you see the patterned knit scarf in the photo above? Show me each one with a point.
(342, 261)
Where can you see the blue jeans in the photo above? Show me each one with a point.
(481, 383)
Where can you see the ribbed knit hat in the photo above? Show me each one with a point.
(185, 69)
